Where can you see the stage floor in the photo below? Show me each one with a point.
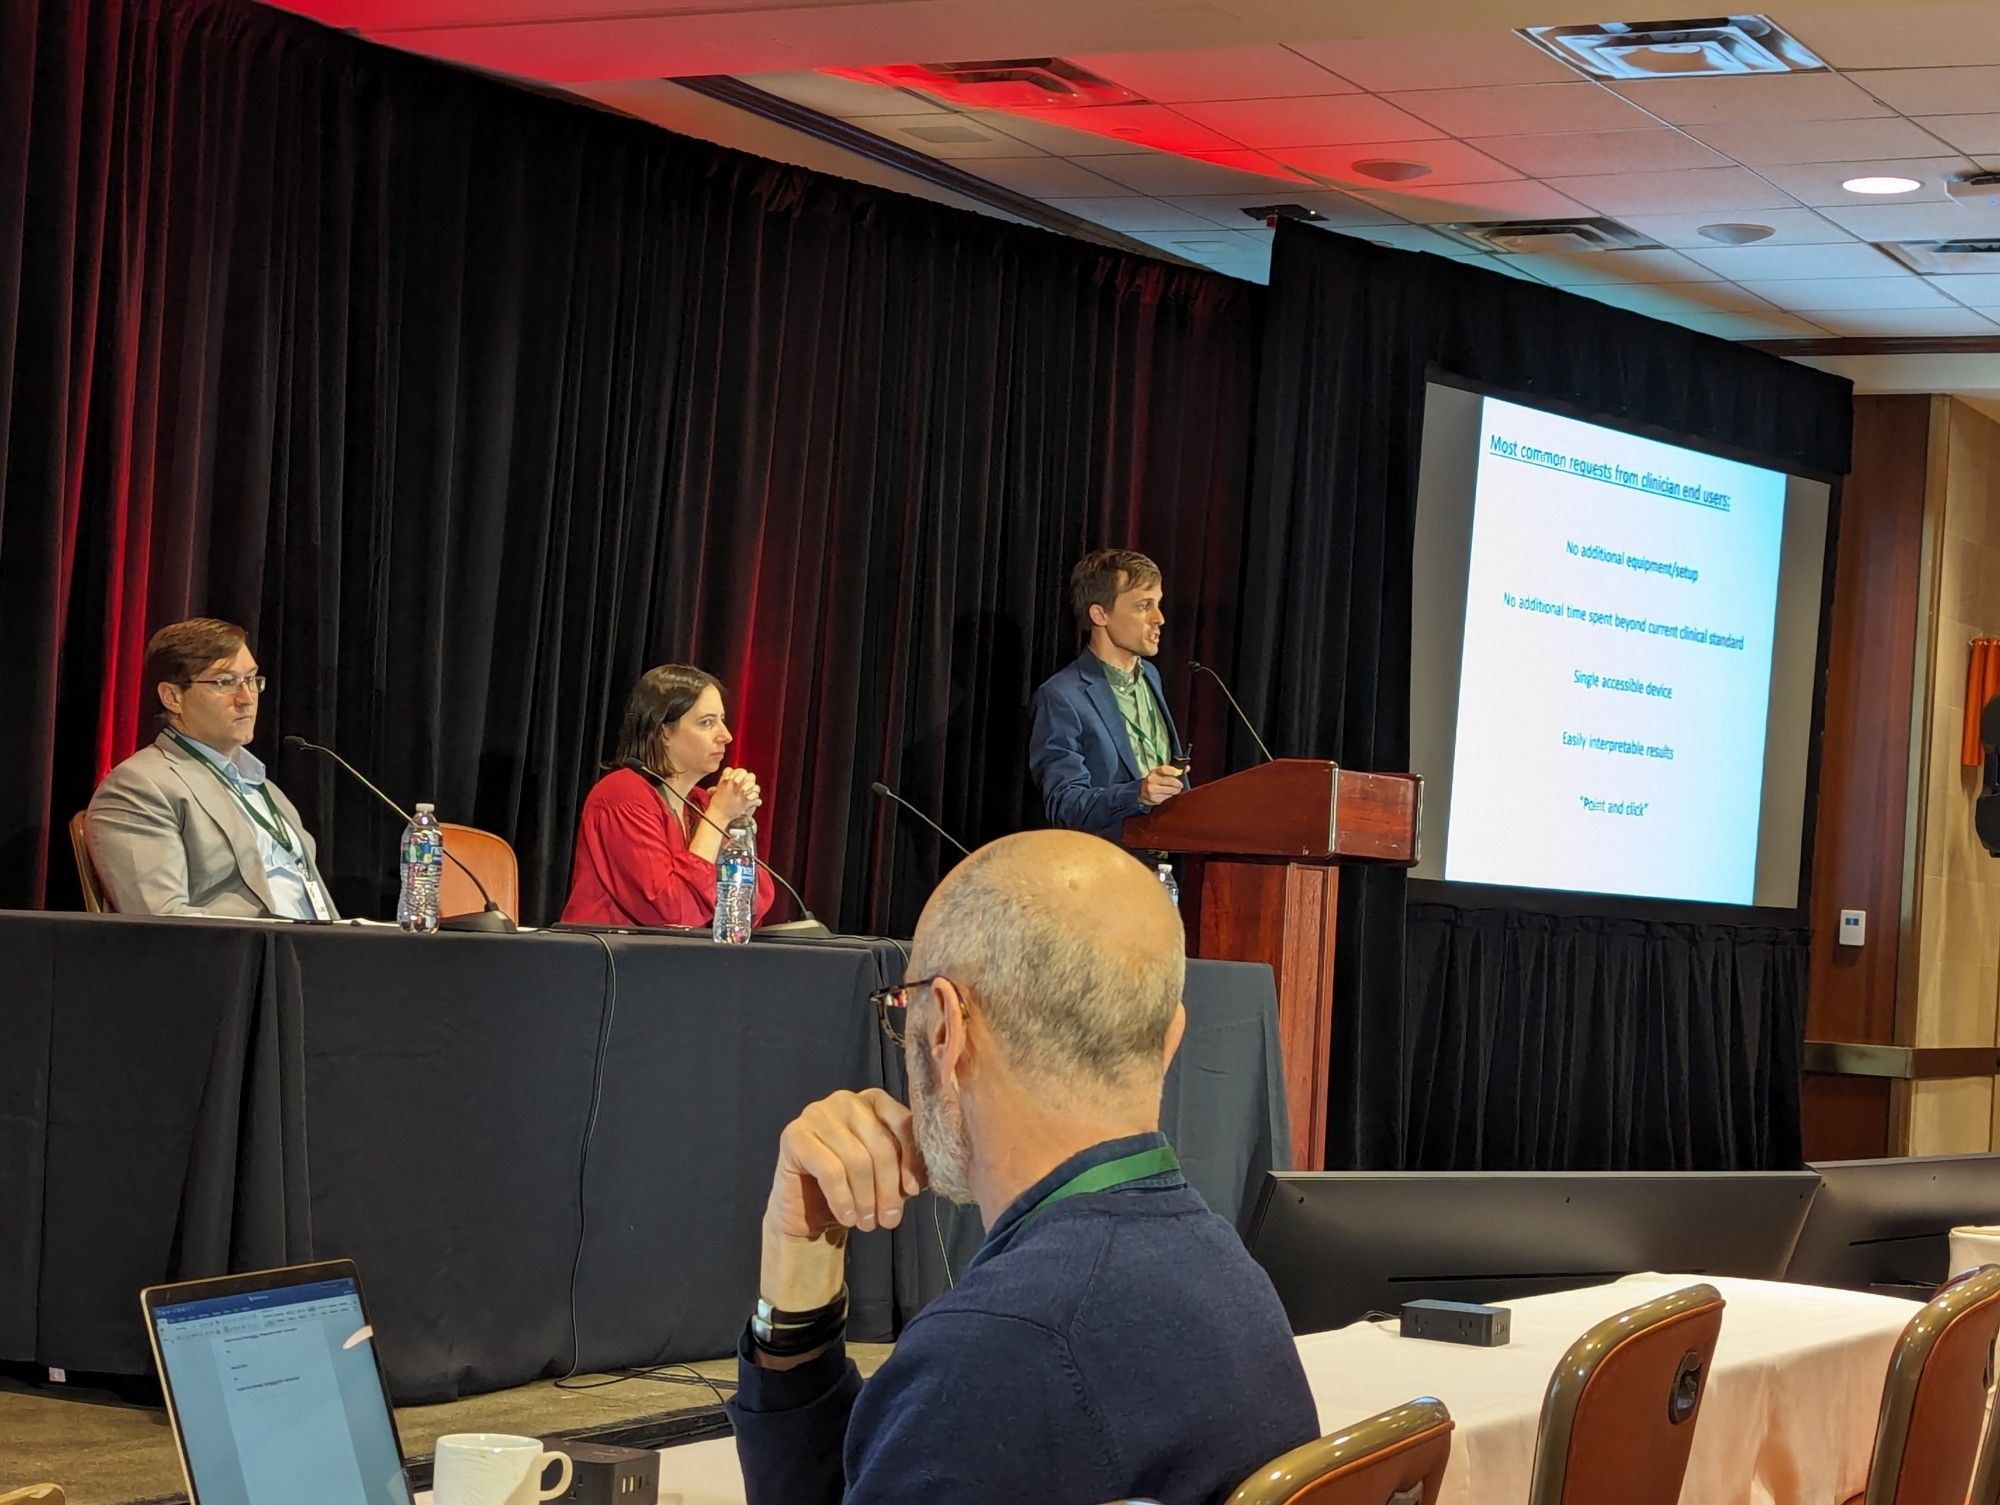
(108, 1451)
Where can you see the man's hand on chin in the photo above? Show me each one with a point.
(848, 1161)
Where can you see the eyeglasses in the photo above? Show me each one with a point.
(229, 684)
(892, 1006)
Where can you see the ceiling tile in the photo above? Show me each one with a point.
(1773, 141)
(1317, 120)
(1581, 152)
(1974, 289)
(1968, 133)
(1844, 259)
(1904, 36)
(1450, 162)
(1212, 245)
(1385, 64)
(1916, 221)
(1717, 189)
(1132, 213)
(1588, 267)
(1771, 326)
(1905, 323)
(1773, 96)
(1788, 227)
(1415, 238)
(949, 138)
(1817, 184)
(1218, 172)
(844, 98)
(1523, 109)
(1045, 177)
(1049, 133)
(1154, 126)
(1337, 208)
(1522, 198)
(1810, 295)
(1214, 73)
(1676, 298)
(1933, 91)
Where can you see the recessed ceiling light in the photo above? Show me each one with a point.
(1734, 234)
(1391, 169)
(1881, 185)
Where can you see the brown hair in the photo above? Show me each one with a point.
(181, 650)
(660, 698)
(1100, 577)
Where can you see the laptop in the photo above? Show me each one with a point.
(274, 1390)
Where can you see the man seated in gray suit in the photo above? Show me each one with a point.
(190, 825)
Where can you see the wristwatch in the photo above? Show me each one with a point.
(785, 1335)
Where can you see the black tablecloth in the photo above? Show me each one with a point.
(183, 1098)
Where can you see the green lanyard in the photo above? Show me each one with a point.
(276, 827)
(1141, 1165)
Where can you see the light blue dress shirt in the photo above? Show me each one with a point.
(294, 894)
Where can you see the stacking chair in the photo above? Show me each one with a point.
(489, 856)
(1934, 1402)
(1620, 1413)
(86, 870)
(1395, 1458)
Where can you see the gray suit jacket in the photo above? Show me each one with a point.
(167, 839)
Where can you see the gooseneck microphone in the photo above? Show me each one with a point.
(811, 924)
(492, 918)
(883, 791)
(1249, 726)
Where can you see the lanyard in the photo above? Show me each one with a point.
(276, 827)
(1141, 1165)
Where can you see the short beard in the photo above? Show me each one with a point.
(941, 1136)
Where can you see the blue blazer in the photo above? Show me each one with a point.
(1079, 751)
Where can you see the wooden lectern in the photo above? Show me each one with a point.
(1271, 840)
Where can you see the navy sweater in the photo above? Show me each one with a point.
(1115, 1344)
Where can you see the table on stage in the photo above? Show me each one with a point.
(1788, 1419)
(183, 1097)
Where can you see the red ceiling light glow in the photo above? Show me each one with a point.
(1038, 83)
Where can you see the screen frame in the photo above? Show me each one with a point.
(152, 1298)
(1583, 903)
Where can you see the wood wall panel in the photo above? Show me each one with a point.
(1865, 753)
(1847, 1117)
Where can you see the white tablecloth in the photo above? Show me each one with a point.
(1789, 1417)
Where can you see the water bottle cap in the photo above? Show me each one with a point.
(426, 809)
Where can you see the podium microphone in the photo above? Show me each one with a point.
(811, 924)
(492, 918)
(1249, 726)
(883, 791)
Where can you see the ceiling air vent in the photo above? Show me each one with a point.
(1031, 83)
(1943, 257)
(1555, 236)
(1712, 47)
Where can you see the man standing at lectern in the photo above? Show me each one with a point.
(1104, 746)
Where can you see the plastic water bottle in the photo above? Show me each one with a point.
(736, 883)
(1165, 873)
(423, 866)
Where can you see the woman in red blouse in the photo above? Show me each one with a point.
(643, 854)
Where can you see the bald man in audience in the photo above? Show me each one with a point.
(1111, 1338)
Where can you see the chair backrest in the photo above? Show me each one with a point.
(34, 1494)
(1934, 1413)
(1621, 1408)
(1394, 1458)
(94, 901)
(489, 856)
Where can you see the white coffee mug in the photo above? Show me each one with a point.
(491, 1468)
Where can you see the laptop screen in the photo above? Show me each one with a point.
(278, 1398)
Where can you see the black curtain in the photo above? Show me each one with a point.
(471, 404)
(1476, 1038)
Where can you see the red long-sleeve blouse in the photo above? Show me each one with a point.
(633, 866)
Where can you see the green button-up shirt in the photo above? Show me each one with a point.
(1145, 724)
